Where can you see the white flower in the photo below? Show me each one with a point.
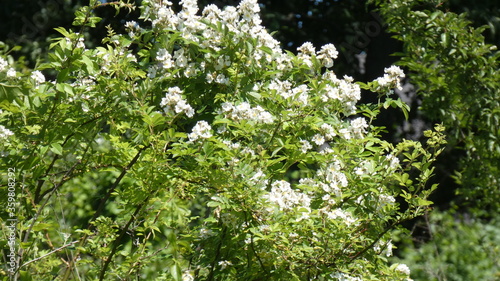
(38, 77)
(391, 78)
(165, 58)
(200, 130)
(327, 54)
(343, 215)
(287, 198)
(11, 73)
(307, 49)
(80, 43)
(224, 264)
(328, 131)
(306, 146)
(318, 139)
(393, 162)
(206, 233)
(173, 101)
(403, 268)
(4, 132)
(358, 127)
(3, 64)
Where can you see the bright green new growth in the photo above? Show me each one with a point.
(166, 154)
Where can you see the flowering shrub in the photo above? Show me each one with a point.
(194, 148)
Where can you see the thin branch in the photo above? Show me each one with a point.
(117, 241)
(49, 253)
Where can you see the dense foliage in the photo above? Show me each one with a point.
(197, 148)
(458, 80)
(460, 248)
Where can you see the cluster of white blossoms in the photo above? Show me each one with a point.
(3, 64)
(385, 199)
(334, 179)
(392, 78)
(358, 127)
(79, 43)
(224, 264)
(339, 276)
(173, 102)
(386, 247)
(285, 197)
(327, 54)
(340, 214)
(11, 72)
(343, 90)
(206, 233)
(305, 146)
(164, 58)
(201, 130)
(306, 52)
(284, 89)
(244, 111)
(132, 28)
(327, 133)
(38, 77)
(403, 268)
(243, 21)
(5, 133)
(393, 162)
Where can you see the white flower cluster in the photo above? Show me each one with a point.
(306, 52)
(206, 233)
(305, 146)
(165, 58)
(403, 268)
(173, 102)
(393, 162)
(244, 111)
(132, 28)
(358, 127)
(392, 78)
(327, 133)
(38, 77)
(342, 90)
(339, 276)
(5, 133)
(3, 64)
(327, 54)
(338, 213)
(285, 197)
(243, 21)
(334, 178)
(11, 72)
(385, 246)
(224, 264)
(386, 199)
(284, 89)
(201, 130)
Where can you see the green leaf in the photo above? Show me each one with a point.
(56, 148)
(10, 93)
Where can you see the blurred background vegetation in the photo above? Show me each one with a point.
(460, 238)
